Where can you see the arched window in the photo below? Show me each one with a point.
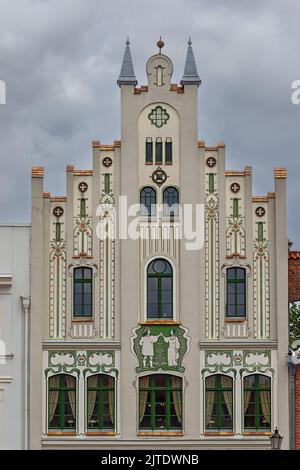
(160, 403)
(218, 402)
(83, 292)
(148, 202)
(257, 402)
(101, 402)
(62, 402)
(159, 290)
(171, 202)
(236, 292)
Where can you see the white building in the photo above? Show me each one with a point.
(153, 340)
(14, 305)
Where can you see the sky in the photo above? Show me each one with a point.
(60, 60)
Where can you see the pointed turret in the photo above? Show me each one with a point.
(190, 74)
(127, 75)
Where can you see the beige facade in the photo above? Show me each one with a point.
(182, 363)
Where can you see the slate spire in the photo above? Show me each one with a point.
(127, 75)
(190, 74)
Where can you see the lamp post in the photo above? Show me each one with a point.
(276, 440)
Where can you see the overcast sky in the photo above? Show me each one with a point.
(60, 60)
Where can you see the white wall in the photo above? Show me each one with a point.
(14, 261)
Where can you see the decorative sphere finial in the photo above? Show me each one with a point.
(189, 41)
(127, 41)
(160, 44)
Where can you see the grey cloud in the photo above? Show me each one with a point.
(61, 59)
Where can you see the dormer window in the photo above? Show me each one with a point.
(159, 75)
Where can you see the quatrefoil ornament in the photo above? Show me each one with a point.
(158, 116)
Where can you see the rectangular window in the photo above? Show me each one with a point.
(235, 207)
(236, 292)
(218, 403)
(83, 293)
(149, 151)
(168, 151)
(158, 151)
(82, 207)
(58, 232)
(107, 183)
(211, 182)
(260, 232)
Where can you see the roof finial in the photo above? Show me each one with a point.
(160, 44)
(127, 41)
(189, 41)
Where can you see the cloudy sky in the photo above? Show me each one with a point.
(60, 60)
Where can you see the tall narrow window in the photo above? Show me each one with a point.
(236, 292)
(159, 290)
(158, 151)
(107, 183)
(148, 202)
(260, 231)
(57, 231)
(168, 151)
(83, 292)
(149, 151)
(257, 402)
(211, 182)
(159, 76)
(82, 207)
(235, 207)
(101, 403)
(218, 402)
(62, 402)
(160, 403)
(171, 202)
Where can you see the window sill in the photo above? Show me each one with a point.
(219, 433)
(82, 319)
(160, 322)
(235, 319)
(257, 433)
(62, 433)
(100, 433)
(160, 433)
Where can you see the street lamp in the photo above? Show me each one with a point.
(276, 440)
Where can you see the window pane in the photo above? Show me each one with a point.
(152, 311)
(168, 156)
(152, 297)
(231, 273)
(87, 273)
(240, 310)
(78, 273)
(231, 310)
(87, 288)
(231, 299)
(166, 283)
(152, 283)
(240, 273)
(240, 288)
(166, 311)
(240, 299)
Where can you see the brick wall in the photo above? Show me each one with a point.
(297, 417)
(294, 295)
(294, 276)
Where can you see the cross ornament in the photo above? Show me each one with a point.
(260, 211)
(107, 162)
(83, 187)
(58, 211)
(211, 161)
(235, 187)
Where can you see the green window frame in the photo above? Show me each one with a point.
(82, 207)
(107, 183)
(83, 292)
(62, 402)
(149, 151)
(101, 411)
(159, 290)
(171, 202)
(168, 151)
(211, 182)
(148, 202)
(160, 403)
(235, 207)
(218, 403)
(257, 402)
(236, 292)
(158, 151)
(57, 231)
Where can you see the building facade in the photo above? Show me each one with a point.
(148, 330)
(14, 314)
